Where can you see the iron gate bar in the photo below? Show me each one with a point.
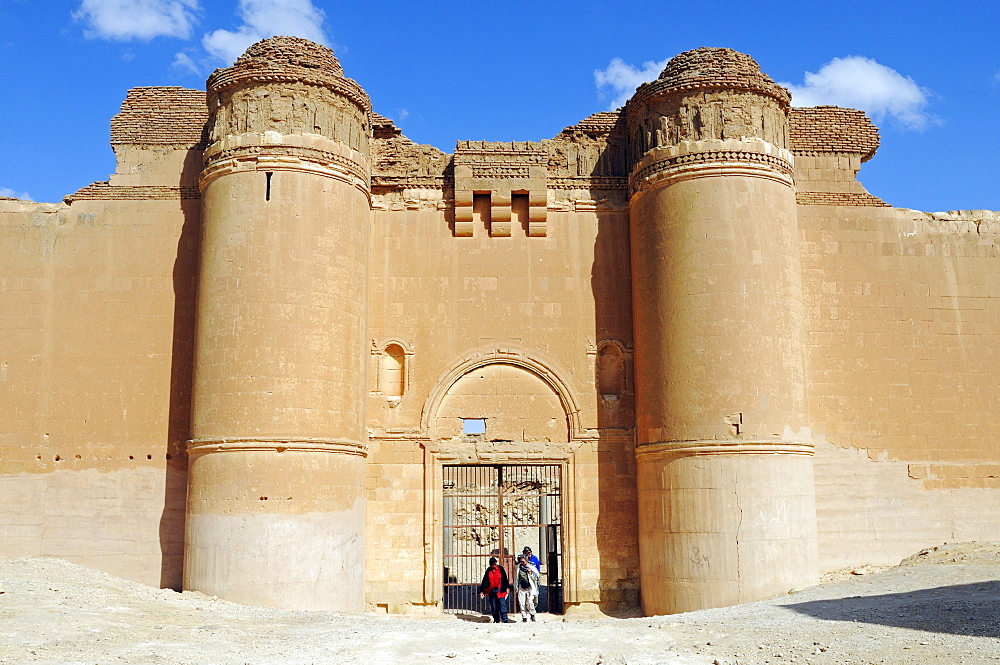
(494, 505)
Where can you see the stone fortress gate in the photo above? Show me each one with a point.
(286, 356)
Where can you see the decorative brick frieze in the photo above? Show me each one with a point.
(839, 199)
(589, 155)
(713, 68)
(289, 86)
(291, 108)
(289, 60)
(162, 116)
(483, 155)
(596, 125)
(831, 129)
(707, 94)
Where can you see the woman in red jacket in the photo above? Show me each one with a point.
(495, 585)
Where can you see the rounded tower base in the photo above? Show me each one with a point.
(722, 523)
(277, 524)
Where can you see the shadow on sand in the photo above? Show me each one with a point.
(475, 618)
(966, 609)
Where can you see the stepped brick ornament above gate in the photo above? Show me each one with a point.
(500, 171)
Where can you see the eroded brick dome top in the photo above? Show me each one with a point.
(289, 53)
(709, 67)
(287, 59)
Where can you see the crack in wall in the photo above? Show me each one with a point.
(739, 528)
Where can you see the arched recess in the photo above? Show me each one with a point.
(392, 372)
(390, 368)
(610, 370)
(613, 368)
(536, 367)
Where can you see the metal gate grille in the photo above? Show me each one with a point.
(496, 511)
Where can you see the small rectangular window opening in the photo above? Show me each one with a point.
(267, 194)
(473, 425)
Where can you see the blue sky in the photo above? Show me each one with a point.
(928, 73)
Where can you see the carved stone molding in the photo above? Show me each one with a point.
(722, 447)
(486, 452)
(278, 157)
(753, 158)
(589, 182)
(410, 182)
(276, 444)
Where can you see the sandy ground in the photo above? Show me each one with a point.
(938, 607)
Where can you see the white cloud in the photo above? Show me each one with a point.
(10, 193)
(862, 83)
(186, 63)
(124, 20)
(623, 78)
(266, 18)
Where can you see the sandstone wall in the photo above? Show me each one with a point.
(531, 313)
(97, 320)
(902, 319)
(875, 511)
(903, 314)
(94, 382)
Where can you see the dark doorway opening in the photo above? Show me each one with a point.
(497, 510)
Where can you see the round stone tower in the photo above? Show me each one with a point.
(276, 510)
(724, 463)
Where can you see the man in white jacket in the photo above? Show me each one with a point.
(527, 588)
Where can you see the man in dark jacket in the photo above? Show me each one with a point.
(495, 585)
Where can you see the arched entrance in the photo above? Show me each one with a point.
(501, 428)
